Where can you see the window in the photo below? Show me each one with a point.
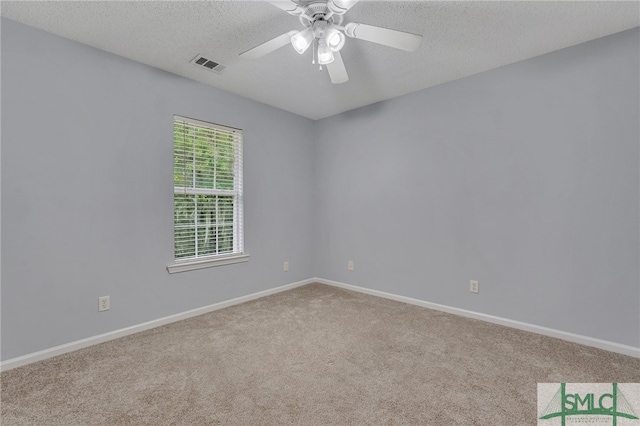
(207, 194)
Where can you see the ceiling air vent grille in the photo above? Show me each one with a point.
(208, 64)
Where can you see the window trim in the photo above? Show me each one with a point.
(193, 263)
(206, 262)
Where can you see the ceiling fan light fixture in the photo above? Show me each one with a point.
(302, 40)
(324, 28)
(325, 55)
(334, 39)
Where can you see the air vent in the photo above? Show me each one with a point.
(208, 64)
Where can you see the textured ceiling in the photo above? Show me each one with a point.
(460, 38)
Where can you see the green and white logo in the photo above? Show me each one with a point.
(588, 403)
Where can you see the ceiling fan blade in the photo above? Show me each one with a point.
(288, 6)
(336, 69)
(392, 38)
(269, 46)
(340, 7)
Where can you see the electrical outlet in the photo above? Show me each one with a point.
(474, 286)
(104, 303)
(286, 266)
(350, 265)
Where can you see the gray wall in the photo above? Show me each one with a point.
(87, 192)
(524, 178)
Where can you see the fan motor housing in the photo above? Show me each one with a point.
(316, 11)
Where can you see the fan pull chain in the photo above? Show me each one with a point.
(315, 41)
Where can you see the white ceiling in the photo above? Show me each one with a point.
(460, 38)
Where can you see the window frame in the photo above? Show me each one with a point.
(216, 259)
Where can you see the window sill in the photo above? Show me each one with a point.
(190, 265)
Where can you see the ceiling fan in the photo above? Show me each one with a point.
(325, 33)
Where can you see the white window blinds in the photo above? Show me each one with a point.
(207, 181)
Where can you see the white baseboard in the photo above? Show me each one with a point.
(571, 337)
(94, 340)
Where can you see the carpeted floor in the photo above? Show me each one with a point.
(315, 355)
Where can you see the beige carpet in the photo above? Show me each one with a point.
(315, 355)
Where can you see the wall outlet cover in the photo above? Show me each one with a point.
(104, 303)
